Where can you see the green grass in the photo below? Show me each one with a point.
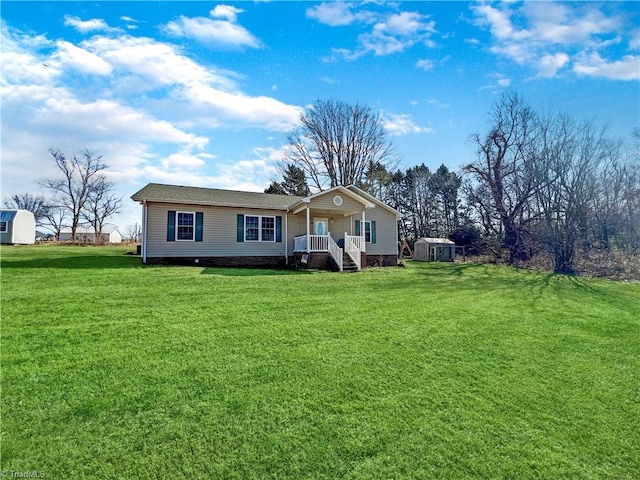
(115, 370)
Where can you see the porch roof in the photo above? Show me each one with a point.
(307, 202)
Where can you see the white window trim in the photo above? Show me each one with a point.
(260, 217)
(364, 231)
(4, 227)
(193, 237)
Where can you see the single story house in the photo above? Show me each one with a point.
(109, 234)
(343, 228)
(434, 250)
(17, 226)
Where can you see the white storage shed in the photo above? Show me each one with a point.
(434, 250)
(109, 234)
(17, 226)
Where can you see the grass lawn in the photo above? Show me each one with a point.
(111, 369)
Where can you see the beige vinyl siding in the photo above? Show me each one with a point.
(219, 234)
(325, 202)
(386, 231)
(338, 225)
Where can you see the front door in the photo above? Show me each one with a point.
(320, 226)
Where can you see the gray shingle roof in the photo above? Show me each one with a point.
(156, 192)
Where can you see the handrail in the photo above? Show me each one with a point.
(352, 246)
(336, 252)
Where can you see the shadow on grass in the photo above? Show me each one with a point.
(77, 262)
(488, 278)
(251, 272)
(534, 287)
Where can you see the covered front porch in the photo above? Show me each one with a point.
(338, 211)
(346, 252)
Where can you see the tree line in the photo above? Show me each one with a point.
(539, 183)
(80, 196)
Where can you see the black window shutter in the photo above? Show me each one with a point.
(358, 228)
(373, 231)
(278, 229)
(171, 226)
(199, 217)
(240, 228)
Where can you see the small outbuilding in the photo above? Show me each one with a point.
(109, 234)
(17, 226)
(434, 250)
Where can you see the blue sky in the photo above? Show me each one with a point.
(205, 93)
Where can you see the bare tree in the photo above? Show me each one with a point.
(80, 175)
(56, 219)
(133, 232)
(337, 143)
(504, 170)
(101, 204)
(35, 204)
(567, 166)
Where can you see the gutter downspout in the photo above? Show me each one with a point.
(145, 218)
(286, 238)
(308, 239)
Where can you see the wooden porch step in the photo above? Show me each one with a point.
(348, 265)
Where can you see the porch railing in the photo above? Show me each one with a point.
(352, 247)
(336, 252)
(317, 243)
(358, 241)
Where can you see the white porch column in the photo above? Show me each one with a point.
(363, 231)
(308, 238)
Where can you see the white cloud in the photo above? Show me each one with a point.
(500, 83)
(561, 24)
(424, 64)
(334, 14)
(398, 32)
(143, 65)
(159, 64)
(405, 24)
(499, 21)
(549, 65)
(265, 111)
(80, 59)
(149, 113)
(437, 103)
(593, 65)
(329, 80)
(550, 35)
(86, 26)
(222, 30)
(402, 124)
(186, 159)
(227, 12)
(391, 32)
(250, 174)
